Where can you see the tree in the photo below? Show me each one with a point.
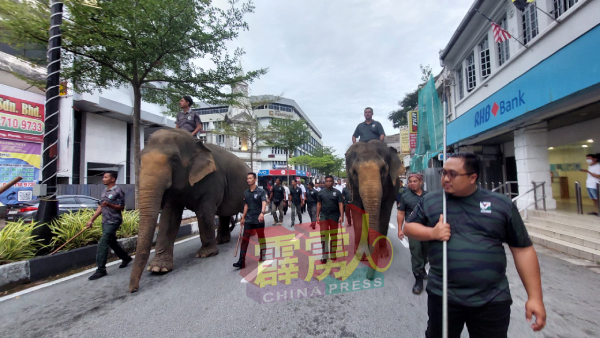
(322, 160)
(252, 131)
(288, 135)
(425, 73)
(152, 45)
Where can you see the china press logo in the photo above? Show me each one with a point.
(284, 265)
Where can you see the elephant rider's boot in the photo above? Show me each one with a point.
(418, 287)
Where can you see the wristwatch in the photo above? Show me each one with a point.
(262, 212)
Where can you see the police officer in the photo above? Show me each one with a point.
(297, 201)
(311, 202)
(253, 220)
(368, 130)
(112, 203)
(330, 208)
(277, 198)
(418, 250)
(187, 119)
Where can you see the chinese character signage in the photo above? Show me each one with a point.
(21, 120)
(413, 121)
(327, 259)
(19, 159)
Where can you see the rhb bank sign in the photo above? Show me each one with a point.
(285, 265)
(485, 113)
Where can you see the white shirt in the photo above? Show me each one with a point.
(339, 187)
(591, 180)
(317, 189)
(302, 188)
(287, 192)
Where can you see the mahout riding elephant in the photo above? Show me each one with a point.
(373, 171)
(179, 172)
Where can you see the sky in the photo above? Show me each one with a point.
(336, 57)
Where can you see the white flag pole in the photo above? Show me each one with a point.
(445, 245)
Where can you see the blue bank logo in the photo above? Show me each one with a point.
(484, 114)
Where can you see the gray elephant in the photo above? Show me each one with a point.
(373, 171)
(179, 172)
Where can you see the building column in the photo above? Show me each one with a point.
(531, 155)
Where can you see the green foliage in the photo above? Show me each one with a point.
(288, 134)
(131, 224)
(322, 160)
(410, 101)
(69, 224)
(17, 243)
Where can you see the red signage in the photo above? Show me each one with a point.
(413, 141)
(21, 120)
(282, 172)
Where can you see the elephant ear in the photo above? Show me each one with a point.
(204, 164)
(394, 167)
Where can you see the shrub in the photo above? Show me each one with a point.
(69, 224)
(131, 224)
(17, 243)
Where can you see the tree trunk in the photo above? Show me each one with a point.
(287, 164)
(137, 102)
(252, 157)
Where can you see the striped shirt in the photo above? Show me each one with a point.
(480, 223)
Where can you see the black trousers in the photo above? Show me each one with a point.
(249, 230)
(488, 321)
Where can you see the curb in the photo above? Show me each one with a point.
(39, 268)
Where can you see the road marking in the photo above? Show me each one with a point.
(254, 272)
(392, 226)
(404, 242)
(64, 279)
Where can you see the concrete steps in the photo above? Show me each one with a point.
(577, 235)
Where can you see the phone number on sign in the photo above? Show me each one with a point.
(21, 124)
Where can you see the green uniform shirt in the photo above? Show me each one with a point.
(330, 199)
(409, 201)
(367, 132)
(254, 201)
(480, 223)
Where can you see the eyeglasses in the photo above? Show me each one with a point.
(452, 174)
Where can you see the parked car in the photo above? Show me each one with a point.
(27, 210)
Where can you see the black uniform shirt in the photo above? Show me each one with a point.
(188, 121)
(116, 196)
(330, 199)
(368, 132)
(311, 196)
(278, 193)
(254, 201)
(296, 194)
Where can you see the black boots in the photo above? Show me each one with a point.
(241, 263)
(98, 275)
(418, 287)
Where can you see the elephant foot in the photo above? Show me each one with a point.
(207, 251)
(222, 239)
(160, 264)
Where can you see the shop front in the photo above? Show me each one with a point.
(266, 178)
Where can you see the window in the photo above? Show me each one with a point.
(484, 54)
(530, 24)
(220, 139)
(461, 90)
(281, 107)
(86, 200)
(561, 6)
(67, 200)
(503, 49)
(206, 111)
(470, 72)
(205, 126)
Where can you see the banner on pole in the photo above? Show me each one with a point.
(19, 159)
(413, 123)
(21, 120)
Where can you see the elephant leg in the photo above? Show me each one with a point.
(206, 226)
(170, 221)
(223, 234)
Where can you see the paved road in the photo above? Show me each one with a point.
(204, 297)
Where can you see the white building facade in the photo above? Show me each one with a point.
(525, 106)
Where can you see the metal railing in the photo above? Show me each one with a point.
(536, 198)
(578, 198)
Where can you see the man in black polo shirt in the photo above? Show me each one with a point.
(418, 250)
(330, 208)
(368, 130)
(311, 202)
(277, 198)
(187, 119)
(253, 220)
(478, 290)
(297, 201)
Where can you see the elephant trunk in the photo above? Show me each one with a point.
(155, 179)
(371, 192)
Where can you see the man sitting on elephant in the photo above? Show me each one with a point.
(368, 130)
(253, 220)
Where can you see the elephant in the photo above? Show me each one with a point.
(180, 172)
(373, 171)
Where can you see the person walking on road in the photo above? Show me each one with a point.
(112, 203)
(277, 200)
(418, 250)
(368, 130)
(297, 201)
(286, 203)
(347, 198)
(311, 203)
(593, 177)
(187, 119)
(330, 208)
(478, 223)
(339, 186)
(253, 220)
(303, 188)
